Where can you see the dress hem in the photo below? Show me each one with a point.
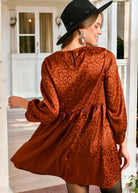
(70, 181)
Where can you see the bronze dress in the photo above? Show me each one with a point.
(82, 117)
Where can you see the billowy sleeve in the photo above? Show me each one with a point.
(116, 111)
(46, 110)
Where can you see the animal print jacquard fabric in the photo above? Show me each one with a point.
(82, 117)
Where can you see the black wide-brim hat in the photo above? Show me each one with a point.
(76, 12)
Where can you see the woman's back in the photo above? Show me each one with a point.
(78, 76)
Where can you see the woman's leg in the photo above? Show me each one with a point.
(117, 188)
(75, 188)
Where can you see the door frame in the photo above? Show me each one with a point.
(21, 61)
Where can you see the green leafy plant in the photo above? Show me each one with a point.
(120, 48)
(133, 183)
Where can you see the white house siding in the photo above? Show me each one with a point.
(6, 48)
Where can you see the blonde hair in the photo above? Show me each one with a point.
(87, 23)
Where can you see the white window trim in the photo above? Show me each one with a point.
(37, 10)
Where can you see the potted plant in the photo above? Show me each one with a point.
(120, 48)
(133, 184)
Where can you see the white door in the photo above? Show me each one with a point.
(36, 39)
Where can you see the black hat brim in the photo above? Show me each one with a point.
(83, 19)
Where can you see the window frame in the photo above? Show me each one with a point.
(36, 11)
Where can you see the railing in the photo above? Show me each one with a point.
(122, 68)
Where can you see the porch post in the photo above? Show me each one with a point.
(113, 28)
(4, 174)
(126, 28)
(132, 87)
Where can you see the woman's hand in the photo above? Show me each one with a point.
(17, 102)
(123, 152)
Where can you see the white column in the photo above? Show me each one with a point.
(132, 87)
(126, 28)
(113, 28)
(103, 39)
(4, 174)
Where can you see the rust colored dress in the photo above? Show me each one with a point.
(82, 117)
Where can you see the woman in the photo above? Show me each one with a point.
(82, 113)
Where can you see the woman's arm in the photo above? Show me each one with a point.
(116, 110)
(123, 152)
(18, 102)
(115, 102)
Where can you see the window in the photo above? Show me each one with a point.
(46, 33)
(35, 31)
(27, 32)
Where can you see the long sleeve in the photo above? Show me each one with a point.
(116, 110)
(46, 110)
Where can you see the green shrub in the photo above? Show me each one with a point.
(120, 48)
